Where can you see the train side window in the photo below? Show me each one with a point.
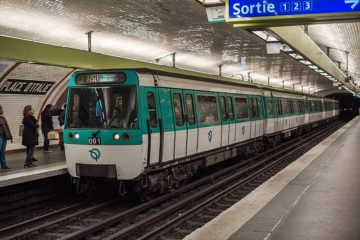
(241, 107)
(291, 107)
(261, 106)
(269, 106)
(207, 109)
(152, 109)
(190, 109)
(313, 107)
(178, 110)
(230, 108)
(279, 107)
(223, 108)
(296, 107)
(255, 108)
(285, 106)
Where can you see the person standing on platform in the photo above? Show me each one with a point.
(5, 135)
(30, 135)
(46, 125)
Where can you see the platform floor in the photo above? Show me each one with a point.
(49, 164)
(316, 197)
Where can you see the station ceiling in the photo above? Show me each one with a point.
(150, 29)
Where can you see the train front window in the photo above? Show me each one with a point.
(103, 107)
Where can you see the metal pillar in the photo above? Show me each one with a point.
(328, 51)
(220, 68)
(268, 81)
(173, 58)
(347, 64)
(89, 39)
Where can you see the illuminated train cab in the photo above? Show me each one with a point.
(155, 129)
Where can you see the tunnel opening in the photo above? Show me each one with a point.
(349, 105)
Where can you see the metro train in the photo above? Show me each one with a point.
(151, 130)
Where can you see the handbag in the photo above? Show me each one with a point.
(21, 129)
(53, 135)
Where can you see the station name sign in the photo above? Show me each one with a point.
(309, 11)
(17, 86)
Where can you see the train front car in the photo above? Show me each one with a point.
(102, 135)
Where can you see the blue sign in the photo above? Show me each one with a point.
(266, 8)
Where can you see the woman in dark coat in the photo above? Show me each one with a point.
(30, 134)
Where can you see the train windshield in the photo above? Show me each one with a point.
(103, 107)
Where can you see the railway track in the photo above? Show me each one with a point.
(31, 196)
(175, 214)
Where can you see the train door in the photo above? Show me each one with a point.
(191, 122)
(167, 123)
(152, 126)
(261, 116)
(254, 109)
(181, 133)
(231, 119)
(224, 120)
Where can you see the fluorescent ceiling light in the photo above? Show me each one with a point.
(296, 56)
(265, 36)
(319, 70)
(210, 2)
(287, 49)
(313, 67)
(306, 62)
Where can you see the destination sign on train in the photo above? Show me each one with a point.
(242, 10)
(100, 78)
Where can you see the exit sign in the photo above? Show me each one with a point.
(242, 11)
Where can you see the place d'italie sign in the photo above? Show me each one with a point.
(17, 86)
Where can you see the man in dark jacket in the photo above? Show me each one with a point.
(5, 135)
(46, 125)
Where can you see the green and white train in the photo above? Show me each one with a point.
(151, 130)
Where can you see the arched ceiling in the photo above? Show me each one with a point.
(147, 30)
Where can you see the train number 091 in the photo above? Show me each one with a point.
(94, 141)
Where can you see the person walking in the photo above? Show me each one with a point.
(5, 135)
(30, 135)
(46, 125)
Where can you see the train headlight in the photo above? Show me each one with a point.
(76, 136)
(116, 136)
(126, 136)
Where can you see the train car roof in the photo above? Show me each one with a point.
(199, 76)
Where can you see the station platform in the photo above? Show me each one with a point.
(48, 165)
(316, 197)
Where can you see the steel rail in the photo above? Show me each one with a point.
(82, 233)
(138, 225)
(41, 218)
(57, 221)
(178, 220)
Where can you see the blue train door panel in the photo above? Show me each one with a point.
(224, 120)
(191, 122)
(153, 126)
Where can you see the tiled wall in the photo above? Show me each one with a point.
(13, 104)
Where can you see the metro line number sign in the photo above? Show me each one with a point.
(242, 11)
